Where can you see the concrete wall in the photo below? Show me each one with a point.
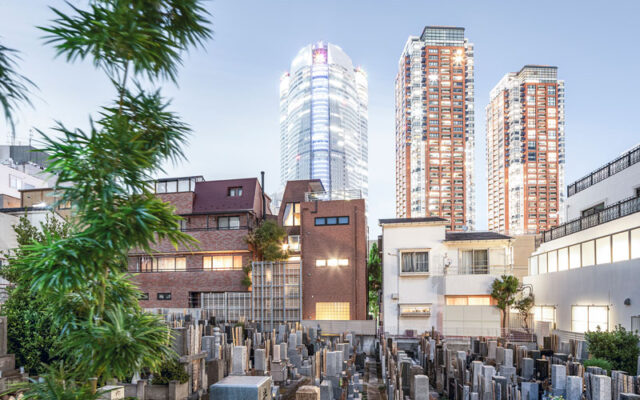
(601, 285)
(361, 327)
(5, 171)
(471, 321)
(611, 190)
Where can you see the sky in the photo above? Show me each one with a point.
(228, 91)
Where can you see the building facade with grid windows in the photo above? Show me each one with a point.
(434, 92)
(525, 151)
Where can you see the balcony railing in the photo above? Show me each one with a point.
(624, 161)
(615, 211)
(351, 194)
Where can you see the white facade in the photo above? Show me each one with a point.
(12, 180)
(323, 120)
(453, 294)
(588, 269)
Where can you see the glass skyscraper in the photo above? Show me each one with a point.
(323, 121)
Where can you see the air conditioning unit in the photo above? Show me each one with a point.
(394, 296)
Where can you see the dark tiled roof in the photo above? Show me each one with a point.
(212, 196)
(410, 220)
(455, 236)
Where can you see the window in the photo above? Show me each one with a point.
(164, 296)
(574, 257)
(474, 262)
(221, 262)
(332, 262)
(544, 314)
(635, 243)
(468, 300)
(603, 250)
(552, 261)
(415, 310)
(563, 259)
(589, 318)
(322, 221)
(332, 311)
(415, 262)
(588, 253)
(235, 191)
(228, 222)
(291, 215)
(144, 296)
(592, 210)
(170, 264)
(620, 242)
(294, 242)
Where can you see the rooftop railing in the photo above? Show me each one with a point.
(615, 211)
(351, 194)
(624, 161)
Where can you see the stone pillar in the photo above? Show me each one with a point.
(276, 353)
(260, 359)
(500, 355)
(292, 340)
(508, 358)
(326, 391)
(529, 390)
(308, 393)
(574, 388)
(558, 379)
(421, 387)
(527, 368)
(476, 368)
(600, 387)
(491, 349)
(239, 362)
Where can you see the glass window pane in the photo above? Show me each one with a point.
(172, 186)
(548, 314)
(223, 222)
(321, 221)
(343, 220)
(165, 263)
(563, 259)
(407, 262)
(161, 187)
(598, 318)
(291, 216)
(620, 243)
(234, 222)
(206, 262)
(479, 301)
(183, 185)
(533, 265)
(181, 263)
(542, 263)
(332, 221)
(237, 262)
(579, 318)
(574, 256)
(588, 253)
(603, 250)
(422, 262)
(635, 243)
(552, 261)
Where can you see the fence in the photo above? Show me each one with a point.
(276, 293)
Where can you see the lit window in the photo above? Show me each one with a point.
(589, 318)
(544, 314)
(468, 300)
(221, 262)
(574, 256)
(635, 243)
(294, 242)
(321, 263)
(588, 253)
(620, 242)
(343, 262)
(415, 262)
(563, 259)
(169, 264)
(415, 310)
(332, 262)
(291, 215)
(603, 250)
(332, 311)
(552, 261)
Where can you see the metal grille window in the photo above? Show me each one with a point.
(415, 262)
(474, 262)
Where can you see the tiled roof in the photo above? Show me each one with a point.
(213, 196)
(456, 236)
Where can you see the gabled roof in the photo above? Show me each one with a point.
(461, 236)
(410, 220)
(213, 196)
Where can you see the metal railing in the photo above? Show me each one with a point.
(479, 270)
(215, 228)
(615, 211)
(624, 161)
(351, 194)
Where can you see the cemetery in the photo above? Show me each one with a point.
(430, 366)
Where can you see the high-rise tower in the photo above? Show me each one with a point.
(525, 151)
(435, 128)
(323, 121)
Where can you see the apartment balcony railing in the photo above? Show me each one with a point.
(215, 228)
(613, 212)
(351, 194)
(624, 161)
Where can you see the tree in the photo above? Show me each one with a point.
(14, 87)
(267, 243)
(619, 347)
(374, 280)
(504, 291)
(524, 305)
(31, 333)
(104, 171)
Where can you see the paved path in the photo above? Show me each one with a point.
(371, 379)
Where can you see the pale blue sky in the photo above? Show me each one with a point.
(229, 92)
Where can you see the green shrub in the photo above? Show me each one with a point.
(170, 370)
(619, 347)
(598, 362)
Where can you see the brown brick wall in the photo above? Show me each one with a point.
(334, 284)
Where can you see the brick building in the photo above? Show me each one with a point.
(219, 214)
(330, 237)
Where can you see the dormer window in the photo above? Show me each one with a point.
(235, 191)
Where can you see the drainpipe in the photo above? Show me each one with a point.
(264, 204)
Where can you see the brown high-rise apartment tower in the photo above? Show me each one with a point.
(435, 128)
(525, 151)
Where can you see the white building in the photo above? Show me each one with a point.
(323, 120)
(586, 273)
(434, 278)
